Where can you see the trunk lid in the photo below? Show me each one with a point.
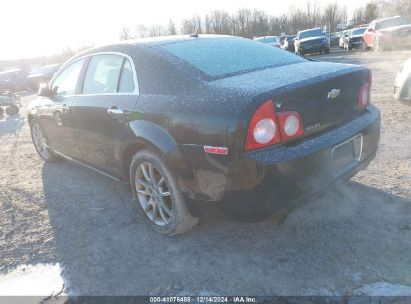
(324, 94)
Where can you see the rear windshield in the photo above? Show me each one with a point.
(311, 33)
(219, 57)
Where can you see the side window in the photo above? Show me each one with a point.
(126, 84)
(103, 73)
(66, 82)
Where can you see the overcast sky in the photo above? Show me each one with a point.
(43, 27)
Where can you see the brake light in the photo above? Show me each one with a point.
(268, 128)
(263, 129)
(364, 96)
(291, 125)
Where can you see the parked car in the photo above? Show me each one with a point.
(354, 39)
(388, 33)
(270, 40)
(186, 118)
(282, 39)
(289, 43)
(334, 39)
(402, 84)
(13, 80)
(311, 41)
(343, 34)
(44, 74)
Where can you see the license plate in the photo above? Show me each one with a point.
(347, 153)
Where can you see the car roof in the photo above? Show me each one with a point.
(146, 43)
(394, 17)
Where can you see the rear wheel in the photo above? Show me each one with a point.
(158, 196)
(1, 111)
(41, 142)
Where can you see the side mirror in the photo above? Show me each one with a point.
(371, 30)
(44, 90)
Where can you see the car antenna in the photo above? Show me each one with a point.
(196, 33)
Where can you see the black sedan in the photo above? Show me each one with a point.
(186, 118)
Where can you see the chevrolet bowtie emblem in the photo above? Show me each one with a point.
(333, 94)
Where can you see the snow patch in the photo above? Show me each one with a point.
(32, 280)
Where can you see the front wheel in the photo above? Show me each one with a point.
(1, 111)
(41, 142)
(158, 196)
(12, 110)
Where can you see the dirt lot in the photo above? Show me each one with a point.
(353, 239)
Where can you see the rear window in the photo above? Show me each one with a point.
(219, 57)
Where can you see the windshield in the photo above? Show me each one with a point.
(359, 31)
(391, 22)
(311, 33)
(219, 57)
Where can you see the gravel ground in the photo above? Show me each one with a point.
(354, 238)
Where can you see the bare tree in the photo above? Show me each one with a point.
(125, 33)
(191, 25)
(171, 28)
(334, 14)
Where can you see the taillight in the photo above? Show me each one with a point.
(364, 96)
(291, 125)
(268, 128)
(263, 129)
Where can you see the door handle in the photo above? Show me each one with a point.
(115, 112)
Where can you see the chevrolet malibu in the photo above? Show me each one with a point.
(186, 118)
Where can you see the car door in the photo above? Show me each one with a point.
(54, 113)
(100, 113)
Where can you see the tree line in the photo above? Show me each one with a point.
(252, 23)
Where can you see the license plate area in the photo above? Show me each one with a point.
(347, 154)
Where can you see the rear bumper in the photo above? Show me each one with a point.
(287, 171)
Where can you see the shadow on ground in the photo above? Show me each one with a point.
(348, 237)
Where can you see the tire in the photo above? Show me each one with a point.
(377, 47)
(327, 51)
(12, 110)
(161, 202)
(1, 111)
(364, 46)
(42, 144)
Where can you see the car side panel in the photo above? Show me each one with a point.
(100, 135)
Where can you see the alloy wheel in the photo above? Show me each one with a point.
(40, 141)
(153, 194)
